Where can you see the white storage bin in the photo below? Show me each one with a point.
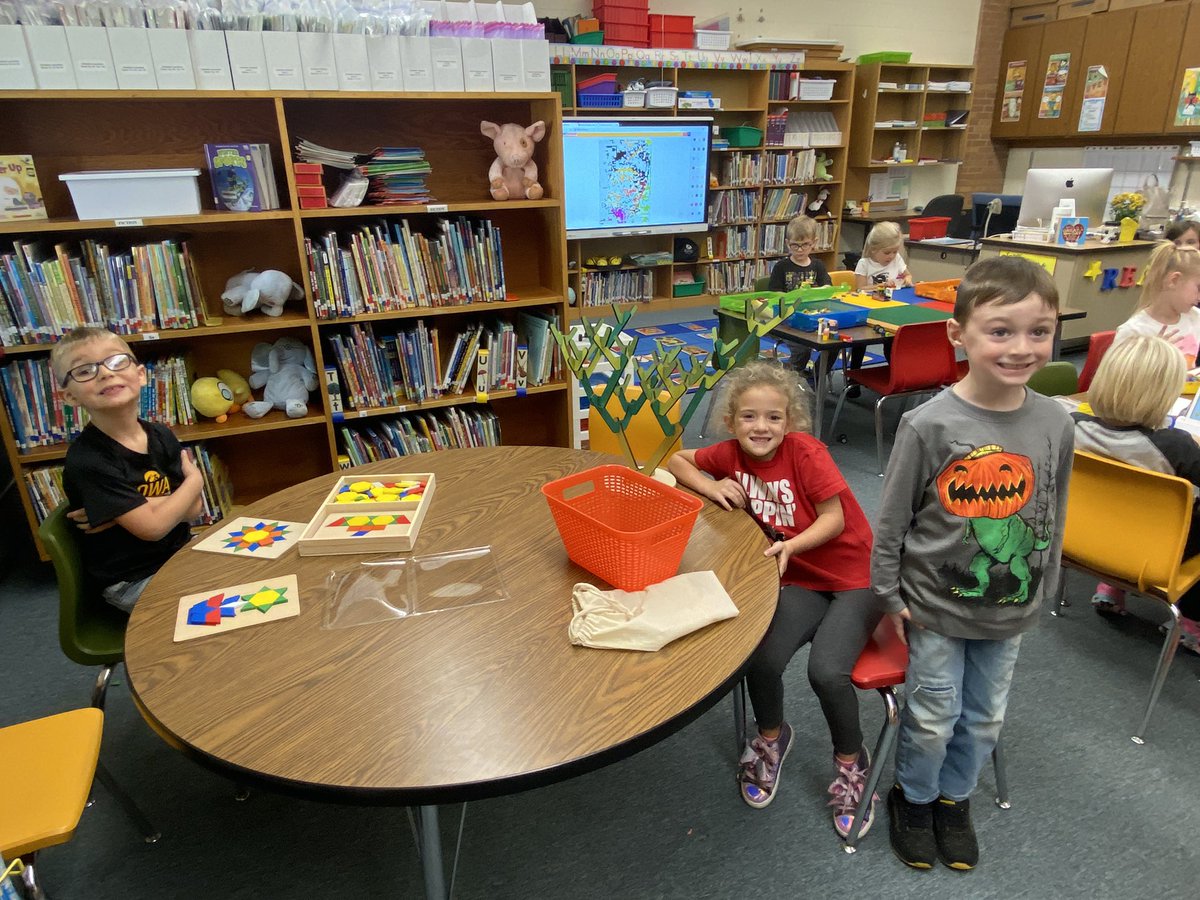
(134, 193)
(633, 98)
(661, 97)
(707, 39)
(815, 88)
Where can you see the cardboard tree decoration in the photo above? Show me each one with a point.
(667, 378)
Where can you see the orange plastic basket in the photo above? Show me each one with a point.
(946, 291)
(621, 525)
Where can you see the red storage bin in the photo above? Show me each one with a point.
(602, 6)
(671, 31)
(928, 227)
(627, 35)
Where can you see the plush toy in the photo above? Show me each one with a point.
(287, 371)
(819, 206)
(212, 398)
(238, 385)
(822, 168)
(513, 175)
(267, 291)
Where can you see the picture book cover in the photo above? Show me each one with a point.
(234, 183)
(20, 193)
(237, 606)
(1072, 230)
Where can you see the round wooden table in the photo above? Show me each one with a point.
(445, 707)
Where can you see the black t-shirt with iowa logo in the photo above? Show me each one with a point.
(108, 480)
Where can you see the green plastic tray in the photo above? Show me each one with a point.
(742, 135)
(884, 56)
(694, 289)
(589, 37)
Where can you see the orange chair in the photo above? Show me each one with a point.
(842, 278)
(922, 362)
(1098, 345)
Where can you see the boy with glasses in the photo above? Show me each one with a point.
(799, 269)
(127, 480)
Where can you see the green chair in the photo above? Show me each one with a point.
(91, 632)
(1055, 379)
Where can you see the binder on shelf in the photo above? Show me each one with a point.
(383, 58)
(172, 58)
(477, 64)
(508, 64)
(316, 56)
(210, 60)
(51, 57)
(535, 63)
(91, 57)
(418, 63)
(16, 68)
(446, 55)
(247, 61)
(281, 49)
(132, 58)
(353, 69)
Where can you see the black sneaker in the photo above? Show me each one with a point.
(956, 844)
(910, 827)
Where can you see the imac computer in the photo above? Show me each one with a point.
(1045, 187)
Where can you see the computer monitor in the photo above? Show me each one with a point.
(1045, 187)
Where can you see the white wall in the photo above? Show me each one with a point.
(935, 31)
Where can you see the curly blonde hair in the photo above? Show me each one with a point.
(762, 373)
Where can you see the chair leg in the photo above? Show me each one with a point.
(29, 881)
(1061, 598)
(1165, 657)
(148, 832)
(883, 750)
(739, 714)
(879, 432)
(1000, 768)
(837, 411)
(100, 688)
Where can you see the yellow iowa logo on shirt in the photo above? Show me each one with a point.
(154, 484)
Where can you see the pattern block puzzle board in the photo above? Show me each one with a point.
(380, 514)
(237, 606)
(252, 537)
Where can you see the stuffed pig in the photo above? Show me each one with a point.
(513, 175)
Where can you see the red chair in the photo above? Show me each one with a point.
(881, 667)
(922, 363)
(1097, 346)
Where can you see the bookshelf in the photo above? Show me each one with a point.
(81, 130)
(745, 245)
(916, 96)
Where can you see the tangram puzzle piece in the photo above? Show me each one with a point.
(1110, 279)
(1127, 277)
(212, 610)
(264, 598)
(1094, 270)
(254, 537)
(358, 526)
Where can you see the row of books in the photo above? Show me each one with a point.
(790, 167)
(40, 417)
(377, 269)
(736, 277)
(739, 169)
(620, 286)
(405, 435)
(46, 292)
(409, 366)
(242, 176)
(774, 238)
(45, 487)
(783, 203)
(732, 207)
(732, 240)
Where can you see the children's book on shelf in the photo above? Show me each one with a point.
(20, 193)
(243, 177)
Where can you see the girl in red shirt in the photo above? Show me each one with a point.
(785, 478)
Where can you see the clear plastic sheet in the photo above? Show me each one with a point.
(385, 589)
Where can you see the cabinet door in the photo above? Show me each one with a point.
(1189, 58)
(1058, 63)
(1019, 56)
(1153, 53)
(1106, 45)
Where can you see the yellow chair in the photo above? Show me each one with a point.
(842, 278)
(643, 433)
(1128, 527)
(46, 771)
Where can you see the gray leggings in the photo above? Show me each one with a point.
(838, 623)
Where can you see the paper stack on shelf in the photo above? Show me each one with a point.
(308, 152)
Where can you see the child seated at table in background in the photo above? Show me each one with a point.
(881, 265)
(1135, 385)
(1167, 307)
(787, 481)
(798, 268)
(1184, 233)
(128, 482)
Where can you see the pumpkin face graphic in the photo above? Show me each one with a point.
(987, 483)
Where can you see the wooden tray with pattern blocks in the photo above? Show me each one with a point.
(380, 514)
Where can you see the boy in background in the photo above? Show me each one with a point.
(126, 478)
(967, 544)
(799, 269)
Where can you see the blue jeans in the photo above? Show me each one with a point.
(124, 594)
(957, 691)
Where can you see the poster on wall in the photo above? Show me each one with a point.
(1187, 113)
(1014, 86)
(1054, 85)
(1095, 92)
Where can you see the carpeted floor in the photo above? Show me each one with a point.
(1094, 816)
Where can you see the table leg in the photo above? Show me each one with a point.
(819, 405)
(431, 854)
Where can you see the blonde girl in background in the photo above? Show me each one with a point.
(1167, 307)
(881, 265)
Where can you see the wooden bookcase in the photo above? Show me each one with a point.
(745, 100)
(80, 130)
(904, 96)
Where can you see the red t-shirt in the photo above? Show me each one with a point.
(783, 494)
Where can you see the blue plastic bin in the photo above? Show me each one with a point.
(807, 314)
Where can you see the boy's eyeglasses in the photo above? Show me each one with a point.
(116, 363)
(801, 245)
